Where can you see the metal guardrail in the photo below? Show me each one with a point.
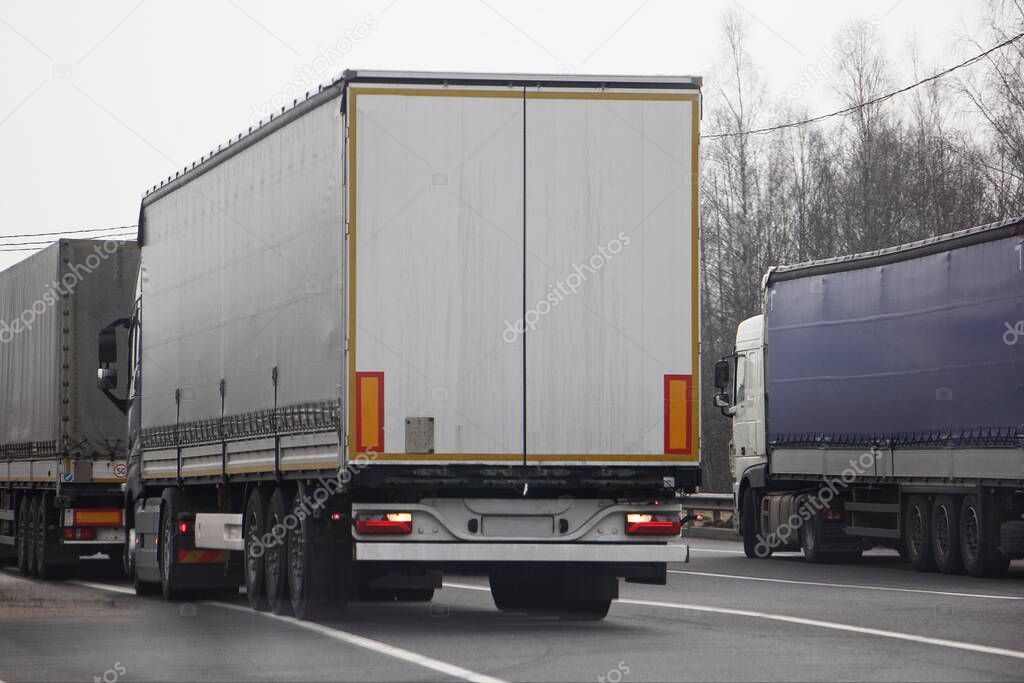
(717, 504)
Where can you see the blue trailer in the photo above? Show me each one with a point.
(879, 400)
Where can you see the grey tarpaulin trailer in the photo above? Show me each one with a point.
(62, 444)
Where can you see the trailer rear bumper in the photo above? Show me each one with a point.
(617, 553)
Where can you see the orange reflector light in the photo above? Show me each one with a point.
(389, 523)
(647, 524)
(96, 518)
(369, 412)
(80, 534)
(678, 414)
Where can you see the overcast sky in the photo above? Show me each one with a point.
(102, 99)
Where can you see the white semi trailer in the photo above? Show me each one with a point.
(878, 399)
(422, 322)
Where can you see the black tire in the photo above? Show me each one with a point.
(534, 590)
(586, 610)
(44, 568)
(275, 557)
(945, 530)
(24, 536)
(505, 592)
(317, 576)
(901, 550)
(810, 540)
(978, 550)
(917, 532)
(173, 502)
(254, 567)
(753, 546)
(34, 522)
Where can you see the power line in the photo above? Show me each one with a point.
(876, 100)
(72, 232)
(45, 243)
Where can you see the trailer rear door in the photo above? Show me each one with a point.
(436, 219)
(611, 275)
(522, 270)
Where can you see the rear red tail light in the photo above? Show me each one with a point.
(80, 534)
(395, 523)
(832, 514)
(185, 528)
(647, 524)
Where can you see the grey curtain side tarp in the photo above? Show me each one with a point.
(923, 351)
(104, 274)
(52, 307)
(242, 275)
(29, 371)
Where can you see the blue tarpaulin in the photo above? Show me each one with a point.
(924, 346)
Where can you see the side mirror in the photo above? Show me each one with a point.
(722, 375)
(108, 345)
(106, 378)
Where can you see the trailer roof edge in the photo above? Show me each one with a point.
(903, 252)
(338, 87)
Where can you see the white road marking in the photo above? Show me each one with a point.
(374, 645)
(343, 636)
(895, 635)
(467, 587)
(103, 587)
(834, 626)
(740, 577)
(715, 550)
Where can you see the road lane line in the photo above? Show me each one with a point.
(103, 587)
(715, 550)
(896, 635)
(847, 585)
(834, 626)
(369, 644)
(336, 634)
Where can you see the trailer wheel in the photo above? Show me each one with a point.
(505, 591)
(318, 573)
(43, 565)
(753, 546)
(917, 531)
(255, 550)
(24, 544)
(946, 535)
(275, 557)
(172, 505)
(980, 556)
(526, 589)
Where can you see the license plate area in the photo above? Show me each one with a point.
(518, 526)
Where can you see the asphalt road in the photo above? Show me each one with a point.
(722, 617)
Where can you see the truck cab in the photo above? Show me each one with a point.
(747, 400)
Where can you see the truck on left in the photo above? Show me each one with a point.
(62, 443)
